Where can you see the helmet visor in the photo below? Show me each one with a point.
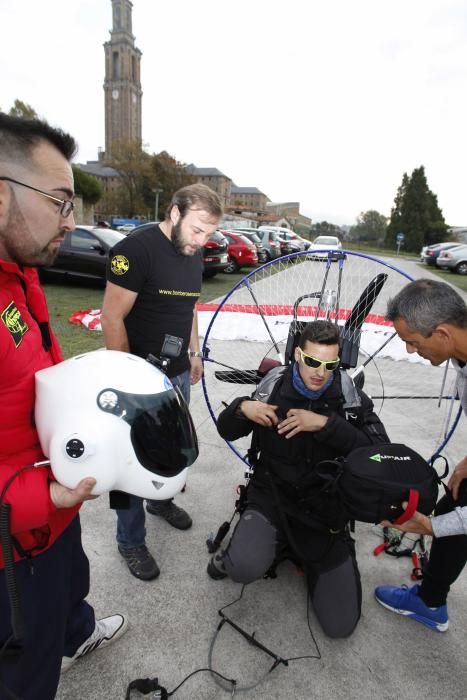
(162, 431)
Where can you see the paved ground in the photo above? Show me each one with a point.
(172, 620)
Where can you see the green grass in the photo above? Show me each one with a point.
(63, 300)
(375, 250)
(459, 281)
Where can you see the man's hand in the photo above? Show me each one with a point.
(196, 371)
(259, 412)
(62, 497)
(418, 523)
(298, 420)
(457, 477)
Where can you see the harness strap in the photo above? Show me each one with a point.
(411, 508)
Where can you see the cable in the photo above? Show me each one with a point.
(251, 638)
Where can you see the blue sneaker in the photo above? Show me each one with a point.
(406, 601)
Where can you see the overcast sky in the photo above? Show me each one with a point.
(323, 102)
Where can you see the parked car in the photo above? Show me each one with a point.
(215, 254)
(254, 238)
(288, 235)
(270, 241)
(429, 254)
(83, 254)
(242, 251)
(127, 228)
(295, 238)
(454, 259)
(324, 244)
(288, 247)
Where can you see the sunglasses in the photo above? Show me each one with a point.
(314, 362)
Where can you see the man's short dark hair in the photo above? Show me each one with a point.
(322, 332)
(425, 304)
(19, 137)
(197, 196)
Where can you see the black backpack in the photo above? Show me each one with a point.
(372, 482)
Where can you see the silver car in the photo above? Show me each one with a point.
(454, 259)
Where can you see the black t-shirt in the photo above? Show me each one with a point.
(168, 285)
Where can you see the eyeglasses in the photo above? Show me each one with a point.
(309, 361)
(66, 205)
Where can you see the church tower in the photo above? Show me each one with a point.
(122, 84)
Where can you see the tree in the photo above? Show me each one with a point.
(23, 110)
(371, 226)
(323, 227)
(87, 186)
(133, 165)
(167, 174)
(416, 214)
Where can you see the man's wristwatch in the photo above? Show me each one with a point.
(195, 353)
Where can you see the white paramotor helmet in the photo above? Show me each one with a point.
(115, 417)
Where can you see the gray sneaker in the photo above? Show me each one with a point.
(175, 516)
(140, 562)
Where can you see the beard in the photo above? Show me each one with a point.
(179, 243)
(19, 244)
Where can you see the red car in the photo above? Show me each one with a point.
(242, 252)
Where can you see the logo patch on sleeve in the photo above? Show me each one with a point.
(119, 265)
(14, 322)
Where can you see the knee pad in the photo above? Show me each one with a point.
(252, 548)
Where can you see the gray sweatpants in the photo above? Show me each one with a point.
(334, 580)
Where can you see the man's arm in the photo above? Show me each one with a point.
(196, 371)
(117, 304)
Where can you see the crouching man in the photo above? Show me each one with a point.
(312, 412)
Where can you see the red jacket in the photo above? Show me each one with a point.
(34, 520)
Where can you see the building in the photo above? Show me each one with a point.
(213, 178)
(291, 212)
(122, 83)
(247, 198)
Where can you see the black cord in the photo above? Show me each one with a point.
(199, 670)
(277, 659)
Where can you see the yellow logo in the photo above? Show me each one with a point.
(119, 264)
(14, 322)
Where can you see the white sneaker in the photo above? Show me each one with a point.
(105, 632)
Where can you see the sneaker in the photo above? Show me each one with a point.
(406, 601)
(140, 562)
(106, 631)
(175, 516)
(215, 567)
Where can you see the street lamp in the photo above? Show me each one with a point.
(157, 191)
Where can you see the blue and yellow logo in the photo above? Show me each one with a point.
(14, 322)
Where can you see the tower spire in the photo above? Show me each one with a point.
(122, 83)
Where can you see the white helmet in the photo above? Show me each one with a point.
(117, 418)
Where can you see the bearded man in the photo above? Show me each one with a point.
(153, 281)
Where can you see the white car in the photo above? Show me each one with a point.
(324, 244)
(126, 228)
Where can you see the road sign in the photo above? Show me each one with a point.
(400, 237)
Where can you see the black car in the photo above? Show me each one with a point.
(215, 254)
(83, 254)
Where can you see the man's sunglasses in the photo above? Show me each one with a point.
(66, 205)
(309, 361)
